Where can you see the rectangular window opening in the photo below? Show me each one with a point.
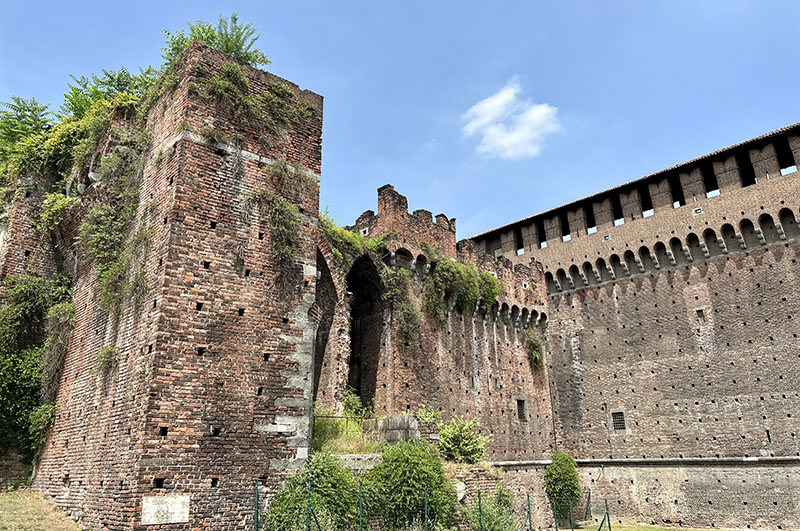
(785, 156)
(540, 234)
(519, 244)
(564, 223)
(648, 213)
(618, 421)
(710, 183)
(566, 238)
(645, 201)
(521, 411)
(591, 230)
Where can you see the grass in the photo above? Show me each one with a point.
(342, 436)
(26, 510)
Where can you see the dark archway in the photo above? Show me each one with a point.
(366, 324)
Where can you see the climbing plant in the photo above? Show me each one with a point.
(534, 346)
(458, 282)
(28, 298)
(404, 308)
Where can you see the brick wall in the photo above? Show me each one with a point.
(474, 365)
(685, 323)
(206, 400)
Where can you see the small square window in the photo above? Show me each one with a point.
(163, 430)
(158, 483)
(701, 316)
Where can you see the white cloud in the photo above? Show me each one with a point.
(510, 127)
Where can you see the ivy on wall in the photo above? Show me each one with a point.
(396, 284)
(450, 280)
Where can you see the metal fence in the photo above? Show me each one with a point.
(564, 515)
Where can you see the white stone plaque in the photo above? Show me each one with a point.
(169, 509)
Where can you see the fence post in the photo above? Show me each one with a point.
(608, 517)
(426, 509)
(530, 516)
(360, 508)
(571, 521)
(308, 508)
(255, 514)
(555, 514)
(480, 511)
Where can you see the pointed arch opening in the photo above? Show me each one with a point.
(364, 294)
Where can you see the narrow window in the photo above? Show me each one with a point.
(564, 222)
(518, 242)
(591, 223)
(785, 157)
(618, 421)
(646, 201)
(701, 316)
(521, 411)
(541, 234)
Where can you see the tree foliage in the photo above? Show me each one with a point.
(19, 119)
(561, 481)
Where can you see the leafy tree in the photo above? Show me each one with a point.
(85, 92)
(460, 441)
(229, 36)
(20, 119)
(561, 482)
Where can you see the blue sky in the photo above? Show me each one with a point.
(486, 111)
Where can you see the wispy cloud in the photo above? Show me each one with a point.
(509, 126)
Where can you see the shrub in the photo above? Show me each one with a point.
(494, 513)
(229, 36)
(55, 209)
(334, 495)
(398, 485)
(59, 323)
(460, 442)
(534, 347)
(426, 414)
(561, 482)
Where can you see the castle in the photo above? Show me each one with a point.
(666, 306)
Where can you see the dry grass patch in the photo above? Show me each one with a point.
(26, 510)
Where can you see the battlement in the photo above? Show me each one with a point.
(407, 231)
(636, 207)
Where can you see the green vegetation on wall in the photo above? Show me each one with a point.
(405, 311)
(452, 280)
(534, 346)
(347, 246)
(22, 344)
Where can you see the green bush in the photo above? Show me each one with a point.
(561, 482)
(59, 323)
(534, 347)
(55, 209)
(426, 414)
(494, 513)
(397, 486)
(334, 495)
(460, 442)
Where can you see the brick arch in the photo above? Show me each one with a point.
(768, 229)
(788, 222)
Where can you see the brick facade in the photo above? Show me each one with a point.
(681, 323)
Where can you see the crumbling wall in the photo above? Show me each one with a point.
(213, 387)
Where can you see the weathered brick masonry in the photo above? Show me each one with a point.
(668, 304)
(681, 322)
